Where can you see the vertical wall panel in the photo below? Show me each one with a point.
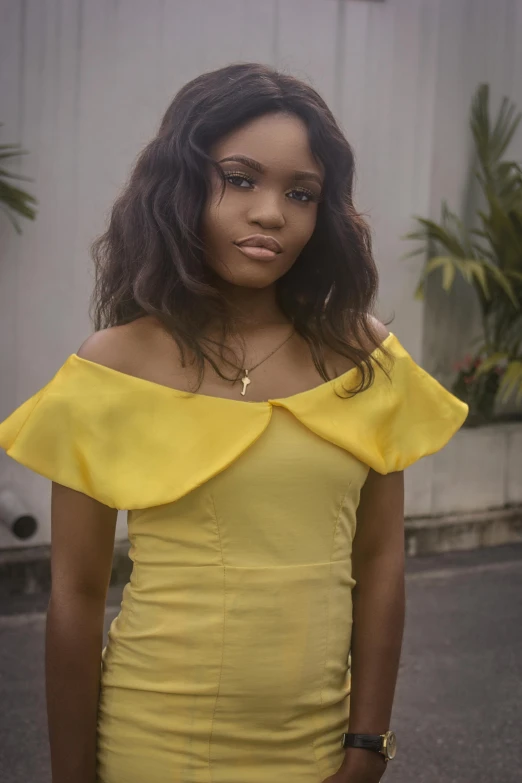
(209, 35)
(306, 43)
(354, 36)
(12, 50)
(388, 87)
(512, 47)
(47, 266)
(100, 138)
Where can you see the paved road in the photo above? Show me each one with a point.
(458, 705)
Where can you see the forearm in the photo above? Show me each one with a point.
(74, 637)
(378, 625)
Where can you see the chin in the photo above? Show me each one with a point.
(249, 278)
(250, 281)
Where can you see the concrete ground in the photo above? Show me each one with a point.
(458, 705)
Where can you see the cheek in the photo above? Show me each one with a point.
(301, 224)
(219, 216)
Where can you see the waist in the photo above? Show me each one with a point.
(263, 635)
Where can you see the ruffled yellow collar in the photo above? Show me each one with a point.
(132, 443)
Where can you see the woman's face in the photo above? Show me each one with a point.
(273, 184)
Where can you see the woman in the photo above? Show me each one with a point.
(240, 400)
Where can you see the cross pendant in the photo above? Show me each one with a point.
(245, 380)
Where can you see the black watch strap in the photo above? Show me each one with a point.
(365, 741)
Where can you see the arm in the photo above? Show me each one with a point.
(81, 556)
(378, 616)
(379, 601)
(82, 548)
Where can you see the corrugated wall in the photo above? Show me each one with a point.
(83, 84)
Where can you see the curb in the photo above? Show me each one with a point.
(456, 532)
(27, 570)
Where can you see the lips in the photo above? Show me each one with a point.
(260, 241)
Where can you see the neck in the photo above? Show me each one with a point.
(252, 309)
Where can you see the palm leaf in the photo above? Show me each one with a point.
(5, 174)
(447, 264)
(474, 271)
(446, 236)
(492, 142)
(13, 200)
(11, 151)
(503, 282)
(491, 362)
(12, 219)
(511, 382)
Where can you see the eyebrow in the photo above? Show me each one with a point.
(254, 164)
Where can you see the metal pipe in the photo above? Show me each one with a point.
(15, 516)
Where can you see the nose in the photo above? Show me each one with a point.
(266, 211)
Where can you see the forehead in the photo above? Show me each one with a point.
(275, 140)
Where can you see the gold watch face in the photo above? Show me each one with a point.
(390, 744)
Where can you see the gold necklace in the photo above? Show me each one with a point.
(245, 380)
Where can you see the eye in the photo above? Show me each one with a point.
(238, 179)
(307, 194)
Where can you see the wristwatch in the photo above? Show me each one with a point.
(380, 743)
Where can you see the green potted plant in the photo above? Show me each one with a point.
(14, 201)
(489, 257)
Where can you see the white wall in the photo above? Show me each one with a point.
(83, 85)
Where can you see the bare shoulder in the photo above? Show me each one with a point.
(340, 363)
(381, 331)
(117, 347)
(108, 347)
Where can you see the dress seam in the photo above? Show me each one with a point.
(318, 762)
(222, 639)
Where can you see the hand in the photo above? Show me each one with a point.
(359, 766)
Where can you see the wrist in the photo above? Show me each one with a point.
(383, 745)
(358, 761)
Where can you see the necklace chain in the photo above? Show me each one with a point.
(245, 380)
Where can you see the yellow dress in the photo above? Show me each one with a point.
(229, 660)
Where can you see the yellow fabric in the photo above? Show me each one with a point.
(131, 443)
(229, 659)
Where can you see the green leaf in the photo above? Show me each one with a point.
(13, 200)
(441, 235)
(12, 219)
(502, 281)
(490, 363)
(17, 200)
(419, 251)
(12, 154)
(12, 175)
(448, 276)
(492, 142)
(419, 292)
(511, 382)
(433, 264)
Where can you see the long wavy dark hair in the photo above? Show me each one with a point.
(151, 259)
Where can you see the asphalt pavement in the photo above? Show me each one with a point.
(458, 704)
